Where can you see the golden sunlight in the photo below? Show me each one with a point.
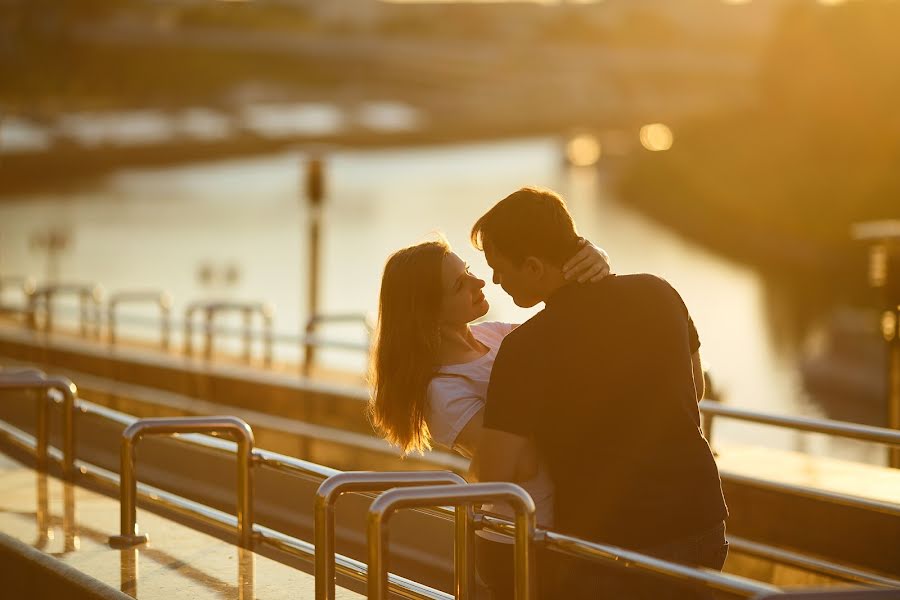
(656, 137)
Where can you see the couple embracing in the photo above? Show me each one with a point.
(590, 405)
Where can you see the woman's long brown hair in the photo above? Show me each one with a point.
(407, 341)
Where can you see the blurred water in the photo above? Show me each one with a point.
(158, 228)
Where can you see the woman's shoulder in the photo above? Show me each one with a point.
(493, 329)
(445, 387)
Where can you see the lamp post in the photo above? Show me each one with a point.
(315, 192)
(884, 273)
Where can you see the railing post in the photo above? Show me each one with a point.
(267, 311)
(375, 481)
(247, 315)
(35, 380)
(209, 313)
(129, 534)
(459, 496)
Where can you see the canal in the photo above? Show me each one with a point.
(237, 230)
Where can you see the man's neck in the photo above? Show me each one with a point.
(553, 281)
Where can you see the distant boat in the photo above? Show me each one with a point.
(845, 370)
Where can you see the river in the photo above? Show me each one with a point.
(160, 228)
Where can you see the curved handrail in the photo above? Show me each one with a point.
(247, 310)
(239, 428)
(163, 300)
(317, 471)
(32, 379)
(377, 481)
(310, 342)
(88, 294)
(454, 495)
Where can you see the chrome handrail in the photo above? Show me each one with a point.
(795, 559)
(310, 341)
(163, 300)
(460, 496)
(867, 433)
(36, 380)
(26, 283)
(129, 535)
(378, 481)
(313, 471)
(246, 309)
(88, 294)
(624, 558)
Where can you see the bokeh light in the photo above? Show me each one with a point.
(583, 150)
(656, 137)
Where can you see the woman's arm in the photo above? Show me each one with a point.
(590, 263)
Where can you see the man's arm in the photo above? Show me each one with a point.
(699, 382)
(499, 455)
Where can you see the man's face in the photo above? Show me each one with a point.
(517, 281)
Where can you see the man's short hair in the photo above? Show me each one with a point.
(528, 222)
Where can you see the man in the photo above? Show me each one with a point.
(605, 382)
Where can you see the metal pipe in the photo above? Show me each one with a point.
(373, 481)
(454, 495)
(843, 429)
(163, 300)
(208, 332)
(238, 428)
(623, 558)
(310, 342)
(87, 295)
(352, 568)
(34, 380)
(247, 310)
(807, 563)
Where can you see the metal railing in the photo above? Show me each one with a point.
(129, 535)
(246, 309)
(35, 380)
(163, 300)
(461, 497)
(855, 431)
(89, 298)
(23, 283)
(406, 588)
(311, 342)
(378, 481)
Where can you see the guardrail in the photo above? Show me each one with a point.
(855, 431)
(246, 309)
(406, 588)
(311, 342)
(35, 380)
(163, 300)
(373, 481)
(89, 298)
(129, 534)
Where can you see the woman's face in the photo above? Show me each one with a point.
(462, 300)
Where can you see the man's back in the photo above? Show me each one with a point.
(602, 380)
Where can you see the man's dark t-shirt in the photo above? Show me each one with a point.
(601, 379)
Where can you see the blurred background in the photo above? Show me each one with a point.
(728, 146)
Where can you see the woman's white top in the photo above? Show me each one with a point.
(458, 391)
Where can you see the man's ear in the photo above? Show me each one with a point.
(534, 266)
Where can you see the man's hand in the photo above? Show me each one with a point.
(590, 263)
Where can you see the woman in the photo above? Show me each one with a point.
(430, 370)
